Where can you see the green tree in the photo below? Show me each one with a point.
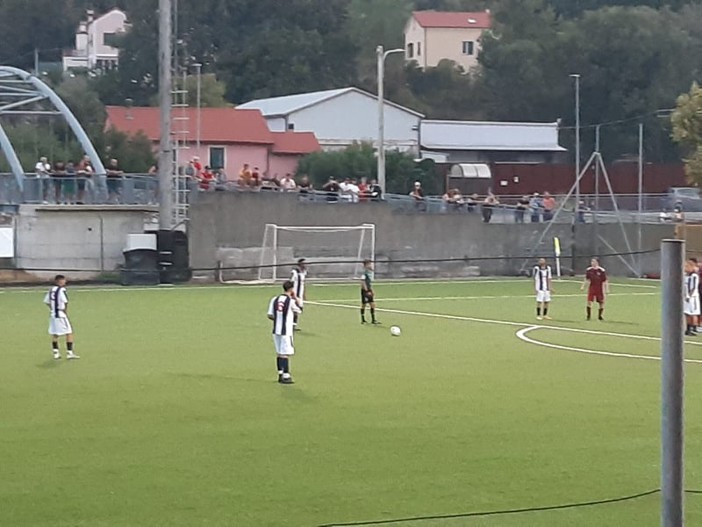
(359, 161)
(687, 131)
(134, 152)
(85, 104)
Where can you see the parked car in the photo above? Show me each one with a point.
(686, 198)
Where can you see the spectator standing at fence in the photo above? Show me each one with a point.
(353, 191)
(418, 195)
(287, 184)
(580, 211)
(256, 180)
(305, 185)
(84, 173)
(344, 192)
(472, 202)
(363, 190)
(114, 181)
(375, 191)
(69, 183)
(332, 188)
(520, 210)
(244, 176)
(447, 201)
(489, 204)
(43, 171)
(549, 205)
(535, 208)
(206, 180)
(57, 175)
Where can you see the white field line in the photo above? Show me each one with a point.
(500, 322)
(521, 334)
(486, 297)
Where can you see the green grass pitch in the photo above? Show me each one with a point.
(173, 417)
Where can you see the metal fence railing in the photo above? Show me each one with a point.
(142, 189)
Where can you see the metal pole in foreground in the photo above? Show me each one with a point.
(640, 201)
(380, 52)
(672, 256)
(165, 78)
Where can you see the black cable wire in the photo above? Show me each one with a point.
(310, 262)
(499, 512)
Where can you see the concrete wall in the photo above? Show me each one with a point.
(72, 238)
(238, 221)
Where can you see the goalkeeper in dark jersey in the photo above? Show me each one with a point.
(367, 296)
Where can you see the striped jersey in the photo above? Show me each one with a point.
(692, 285)
(57, 300)
(282, 308)
(542, 278)
(298, 278)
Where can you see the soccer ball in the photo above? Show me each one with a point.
(395, 331)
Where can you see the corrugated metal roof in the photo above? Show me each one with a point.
(487, 135)
(288, 104)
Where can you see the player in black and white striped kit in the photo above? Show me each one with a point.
(59, 325)
(298, 278)
(281, 311)
(542, 285)
(692, 298)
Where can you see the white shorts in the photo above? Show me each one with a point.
(60, 326)
(284, 344)
(543, 296)
(692, 306)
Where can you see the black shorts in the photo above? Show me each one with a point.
(367, 297)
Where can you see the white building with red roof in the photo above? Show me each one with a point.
(433, 36)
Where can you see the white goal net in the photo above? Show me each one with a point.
(331, 252)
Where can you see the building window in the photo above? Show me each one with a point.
(468, 47)
(410, 51)
(110, 39)
(216, 157)
(419, 49)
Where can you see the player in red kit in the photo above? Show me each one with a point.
(598, 287)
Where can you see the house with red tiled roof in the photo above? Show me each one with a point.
(228, 137)
(433, 36)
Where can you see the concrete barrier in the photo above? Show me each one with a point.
(238, 221)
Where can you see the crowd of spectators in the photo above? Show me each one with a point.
(66, 182)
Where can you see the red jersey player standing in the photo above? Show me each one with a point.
(598, 287)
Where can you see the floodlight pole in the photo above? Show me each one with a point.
(576, 76)
(198, 67)
(165, 157)
(672, 384)
(381, 55)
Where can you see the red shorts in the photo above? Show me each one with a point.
(595, 296)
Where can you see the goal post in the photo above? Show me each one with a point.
(331, 252)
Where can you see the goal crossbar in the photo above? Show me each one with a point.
(326, 253)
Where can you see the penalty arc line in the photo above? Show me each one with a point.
(521, 335)
(498, 322)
